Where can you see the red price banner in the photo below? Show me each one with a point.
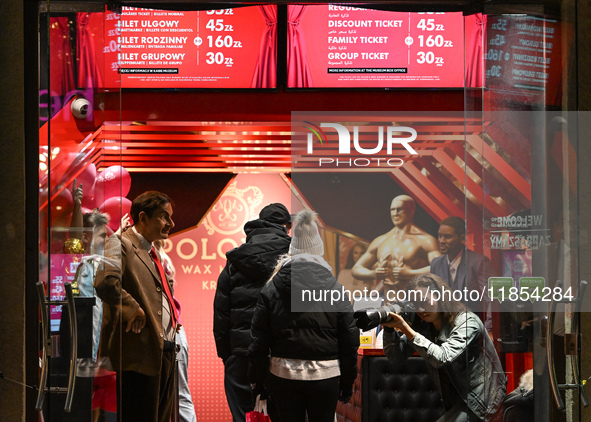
(147, 48)
(354, 47)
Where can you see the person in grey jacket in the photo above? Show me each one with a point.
(460, 356)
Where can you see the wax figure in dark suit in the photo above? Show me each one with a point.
(139, 322)
(461, 268)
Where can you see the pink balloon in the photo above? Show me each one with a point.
(88, 200)
(116, 207)
(113, 181)
(87, 178)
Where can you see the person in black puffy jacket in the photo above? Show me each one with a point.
(303, 350)
(248, 268)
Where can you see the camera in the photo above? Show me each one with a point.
(366, 319)
(81, 108)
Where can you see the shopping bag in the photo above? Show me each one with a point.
(259, 414)
(254, 416)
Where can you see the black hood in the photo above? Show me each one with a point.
(264, 242)
(255, 227)
(297, 277)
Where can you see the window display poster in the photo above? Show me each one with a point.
(148, 48)
(62, 270)
(342, 46)
(199, 256)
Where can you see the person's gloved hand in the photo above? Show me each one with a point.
(345, 394)
(259, 388)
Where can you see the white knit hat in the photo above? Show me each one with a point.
(306, 238)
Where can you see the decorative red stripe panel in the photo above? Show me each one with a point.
(454, 154)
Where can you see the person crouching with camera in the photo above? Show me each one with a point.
(460, 356)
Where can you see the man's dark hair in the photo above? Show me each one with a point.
(456, 223)
(95, 218)
(87, 220)
(148, 202)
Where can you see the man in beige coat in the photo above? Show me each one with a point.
(139, 334)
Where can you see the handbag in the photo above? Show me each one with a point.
(259, 414)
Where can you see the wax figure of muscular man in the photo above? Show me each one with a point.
(401, 254)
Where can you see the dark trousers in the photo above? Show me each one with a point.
(238, 391)
(294, 399)
(148, 398)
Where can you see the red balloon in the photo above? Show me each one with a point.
(86, 179)
(61, 209)
(116, 207)
(113, 181)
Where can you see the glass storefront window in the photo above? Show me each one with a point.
(80, 205)
(506, 165)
